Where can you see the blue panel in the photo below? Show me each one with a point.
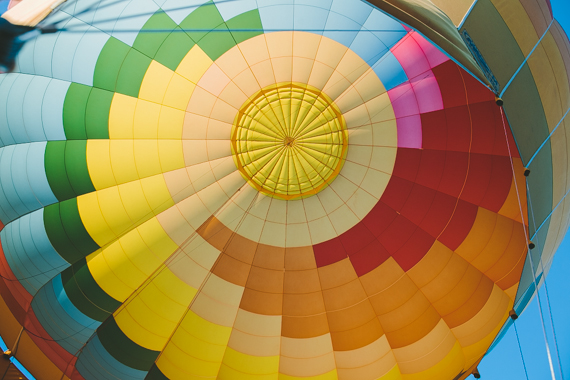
(43, 51)
(341, 29)
(15, 108)
(274, 15)
(29, 252)
(86, 56)
(178, 10)
(356, 10)
(65, 49)
(70, 334)
(52, 110)
(6, 137)
(32, 104)
(37, 178)
(25, 58)
(390, 71)
(70, 308)
(310, 18)
(132, 19)
(95, 363)
(20, 180)
(368, 47)
(230, 9)
(391, 30)
(7, 185)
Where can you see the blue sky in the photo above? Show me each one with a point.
(505, 361)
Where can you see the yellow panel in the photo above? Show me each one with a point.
(123, 266)
(171, 154)
(147, 159)
(516, 18)
(99, 164)
(150, 316)
(194, 65)
(178, 92)
(248, 365)
(155, 82)
(332, 375)
(123, 161)
(146, 120)
(452, 364)
(171, 123)
(121, 117)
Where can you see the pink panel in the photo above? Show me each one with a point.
(411, 56)
(404, 100)
(410, 132)
(434, 56)
(428, 94)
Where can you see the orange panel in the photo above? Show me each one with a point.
(265, 280)
(382, 277)
(301, 281)
(261, 303)
(358, 337)
(300, 258)
(231, 270)
(472, 306)
(305, 327)
(337, 274)
(431, 265)
(350, 318)
(447, 279)
(306, 304)
(269, 257)
(395, 296)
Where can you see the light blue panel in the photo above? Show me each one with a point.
(132, 19)
(95, 363)
(86, 56)
(29, 251)
(106, 15)
(392, 30)
(7, 213)
(6, 137)
(52, 110)
(69, 307)
(35, 169)
(65, 49)
(178, 10)
(20, 180)
(341, 29)
(369, 47)
(70, 334)
(83, 10)
(230, 9)
(310, 18)
(15, 108)
(356, 10)
(276, 14)
(390, 71)
(7, 186)
(43, 52)
(25, 58)
(32, 104)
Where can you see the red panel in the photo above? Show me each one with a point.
(379, 218)
(329, 252)
(396, 193)
(485, 130)
(407, 163)
(431, 168)
(450, 84)
(454, 174)
(458, 129)
(499, 184)
(369, 258)
(397, 234)
(480, 167)
(19, 294)
(418, 203)
(476, 92)
(460, 225)
(414, 249)
(434, 130)
(356, 238)
(439, 214)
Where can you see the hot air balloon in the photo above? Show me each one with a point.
(272, 189)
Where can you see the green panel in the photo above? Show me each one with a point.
(174, 49)
(132, 73)
(153, 33)
(155, 374)
(540, 190)
(86, 294)
(201, 21)
(74, 111)
(97, 114)
(76, 167)
(523, 108)
(66, 231)
(248, 20)
(56, 172)
(109, 64)
(494, 40)
(217, 42)
(123, 349)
